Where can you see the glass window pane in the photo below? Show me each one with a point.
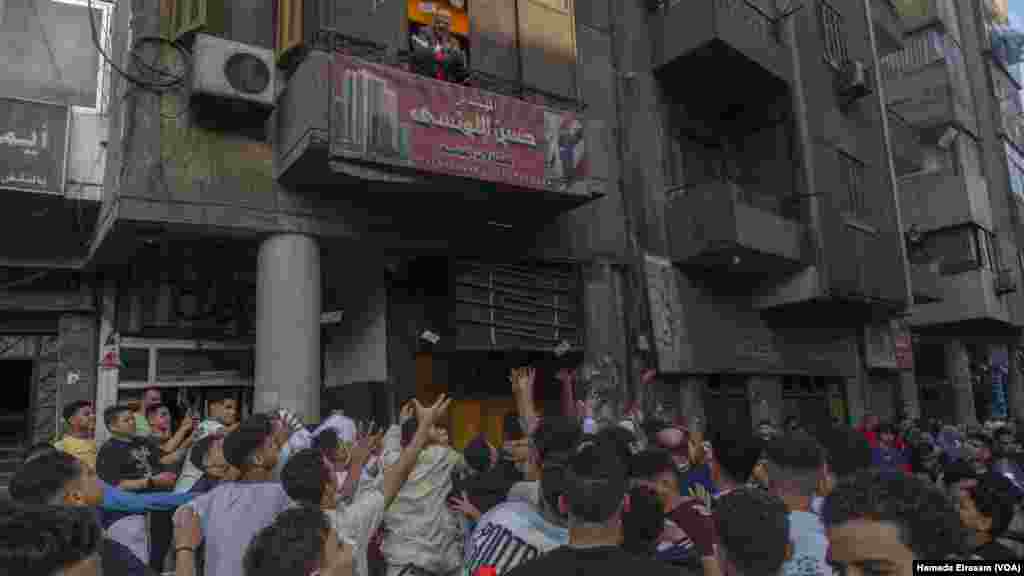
(180, 365)
(48, 51)
(134, 365)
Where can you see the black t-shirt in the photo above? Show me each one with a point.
(602, 561)
(119, 460)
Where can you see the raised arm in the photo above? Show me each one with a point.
(396, 475)
(523, 380)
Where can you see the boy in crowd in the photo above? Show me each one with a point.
(80, 440)
(796, 466)
(131, 463)
(847, 452)
(595, 499)
(310, 482)
(753, 531)
(49, 541)
(737, 456)
(518, 531)
(300, 542)
(150, 397)
(60, 479)
(690, 528)
(987, 507)
(231, 514)
(884, 522)
(222, 418)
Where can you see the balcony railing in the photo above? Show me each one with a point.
(918, 52)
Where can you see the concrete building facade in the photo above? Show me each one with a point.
(708, 188)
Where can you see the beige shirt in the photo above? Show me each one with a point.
(84, 450)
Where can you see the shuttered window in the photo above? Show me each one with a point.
(526, 306)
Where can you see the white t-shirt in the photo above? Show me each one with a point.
(189, 473)
(511, 534)
(356, 523)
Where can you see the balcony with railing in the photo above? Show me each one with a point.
(727, 36)
(356, 117)
(926, 82)
(720, 225)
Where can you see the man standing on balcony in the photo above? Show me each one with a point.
(436, 53)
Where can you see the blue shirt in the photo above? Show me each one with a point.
(117, 500)
(697, 484)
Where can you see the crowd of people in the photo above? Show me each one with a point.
(577, 492)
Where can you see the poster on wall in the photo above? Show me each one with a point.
(383, 115)
(999, 372)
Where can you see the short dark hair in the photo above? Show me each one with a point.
(643, 523)
(737, 454)
(218, 395)
(292, 545)
(981, 439)
(36, 450)
(795, 460)
(753, 529)
(71, 409)
(240, 445)
(886, 428)
(305, 477)
(928, 524)
(197, 456)
(111, 413)
(848, 451)
(621, 438)
(650, 463)
(327, 441)
(994, 498)
(513, 428)
(556, 435)
(154, 408)
(40, 480)
(597, 482)
(43, 540)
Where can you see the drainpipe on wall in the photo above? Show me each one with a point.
(890, 165)
(806, 148)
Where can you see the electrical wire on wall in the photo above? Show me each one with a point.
(170, 81)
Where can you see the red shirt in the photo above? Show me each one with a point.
(696, 521)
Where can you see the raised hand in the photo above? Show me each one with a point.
(408, 411)
(462, 505)
(428, 416)
(648, 376)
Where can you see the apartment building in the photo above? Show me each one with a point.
(957, 105)
(53, 104)
(289, 211)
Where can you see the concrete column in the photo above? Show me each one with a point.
(288, 325)
(958, 372)
(76, 374)
(107, 377)
(765, 393)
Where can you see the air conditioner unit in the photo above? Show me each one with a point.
(231, 71)
(855, 80)
(1005, 282)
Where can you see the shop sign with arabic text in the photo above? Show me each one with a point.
(33, 145)
(384, 115)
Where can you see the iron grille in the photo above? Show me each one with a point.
(521, 306)
(833, 34)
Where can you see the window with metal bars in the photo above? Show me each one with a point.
(517, 306)
(833, 34)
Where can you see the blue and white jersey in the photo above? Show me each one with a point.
(509, 535)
